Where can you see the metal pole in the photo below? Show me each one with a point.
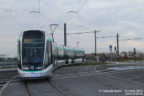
(117, 47)
(95, 43)
(115, 53)
(135, 54)
(65, 37)
(52, 37)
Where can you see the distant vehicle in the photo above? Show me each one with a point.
(38, 55)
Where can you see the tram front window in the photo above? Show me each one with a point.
(33, 50)
(33, 53)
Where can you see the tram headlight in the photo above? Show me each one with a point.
(25, 68)
(39, 68)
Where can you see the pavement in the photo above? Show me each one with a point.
(100, 80)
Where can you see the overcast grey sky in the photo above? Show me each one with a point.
(125, 17)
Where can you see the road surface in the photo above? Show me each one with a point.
(99, 80)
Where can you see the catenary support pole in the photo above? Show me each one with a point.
(65, 35)
(117, 47)
(95, 44)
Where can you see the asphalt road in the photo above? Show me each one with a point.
(6, 75)
(100, 80)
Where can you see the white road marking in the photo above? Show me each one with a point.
(90, 74)
(64, 75)
(133, 77)
(13, 83)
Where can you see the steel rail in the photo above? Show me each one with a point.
(26, 89)
(5, 85)
(57, 88)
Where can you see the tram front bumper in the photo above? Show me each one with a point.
(36, 74)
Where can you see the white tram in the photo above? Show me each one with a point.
(38, 55)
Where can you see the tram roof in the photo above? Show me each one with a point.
(47, 34)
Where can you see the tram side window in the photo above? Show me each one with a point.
(19, 55)
(54, 51)
(65, 54)
(48, 55)
(70, 54)
(49, 52)
(77, 54)
(60, 53)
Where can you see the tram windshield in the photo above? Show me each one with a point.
(33, 48)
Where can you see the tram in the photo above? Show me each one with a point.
(38, 55)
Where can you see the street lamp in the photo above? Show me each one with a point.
(52, 29)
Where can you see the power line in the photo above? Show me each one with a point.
(95, 35)
(82, 6)
(78, 33)
(38, 8)
(106, 37)
(131, 39)
(78, 11)
(79, 8)
(77, 14)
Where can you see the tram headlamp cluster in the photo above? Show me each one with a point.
(25, 68)
(39, 68)
(28, 68)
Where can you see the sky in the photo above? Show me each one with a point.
(125, 17)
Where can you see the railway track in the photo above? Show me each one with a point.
(28, 91)
(29, 88)
(5, 83)
(61, 90)
(57, 88)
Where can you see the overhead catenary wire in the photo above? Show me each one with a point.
(82, 6)
(132, 39)
(138, 38)
(78, 11)
(38, 8)
(78, 33)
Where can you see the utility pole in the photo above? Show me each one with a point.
(117, 47)
(65, 35)
(135, 54)
(96, 42)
